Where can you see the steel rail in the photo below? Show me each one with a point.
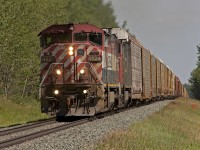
(27, 126)
(19, 140)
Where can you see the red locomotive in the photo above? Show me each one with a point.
(87, 70)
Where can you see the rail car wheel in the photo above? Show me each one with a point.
(60, 118)
(137, 103)
(144, 102)
(92, 118)
(129, 103)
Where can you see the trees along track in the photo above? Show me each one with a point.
(21, 139)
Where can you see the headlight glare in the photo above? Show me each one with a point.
(85, 91)
(82, 71)
(56, 92)
(71, 48)
(71, 53)
(58, 72)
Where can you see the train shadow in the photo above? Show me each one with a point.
(69, 118)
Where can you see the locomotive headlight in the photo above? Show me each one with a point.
(56, 92)
(58, 72)
(85, 91)
(82, 71)
(71, 53)
(71, 48)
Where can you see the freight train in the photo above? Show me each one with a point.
(86, 70)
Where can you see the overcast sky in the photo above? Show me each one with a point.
(169, 28)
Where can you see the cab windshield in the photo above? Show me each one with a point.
(94, 38)
(80, 37)
(50, 39)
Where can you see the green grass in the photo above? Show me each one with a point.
(15, 112)
(177, 126)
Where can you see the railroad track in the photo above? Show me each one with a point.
(27, 126)
(24, 138)
(21, 139)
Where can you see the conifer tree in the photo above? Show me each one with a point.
(195, 78)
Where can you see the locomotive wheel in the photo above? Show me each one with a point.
(137, 103)
(92, 118)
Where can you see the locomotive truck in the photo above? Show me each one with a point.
(86, 70)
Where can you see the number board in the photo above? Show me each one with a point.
(47, 59)
(94, 58)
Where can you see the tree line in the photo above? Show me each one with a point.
(20, 23)
(194, 81)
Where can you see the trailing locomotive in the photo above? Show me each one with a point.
(86, 70)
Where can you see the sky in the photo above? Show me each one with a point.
(170, 29)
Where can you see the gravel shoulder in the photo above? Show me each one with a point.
(88, 135)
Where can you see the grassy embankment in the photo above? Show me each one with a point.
(177, 126)
(13, 112)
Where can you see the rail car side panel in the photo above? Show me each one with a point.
(136, 58)
(176, 86)
(146, 67)
(170, 83)
(173, 84)
(165, 80)
(153, 76)
(180, 89)
(158, 68)
(127, 70)
(162, 79)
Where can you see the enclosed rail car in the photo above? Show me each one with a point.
(86, 70)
